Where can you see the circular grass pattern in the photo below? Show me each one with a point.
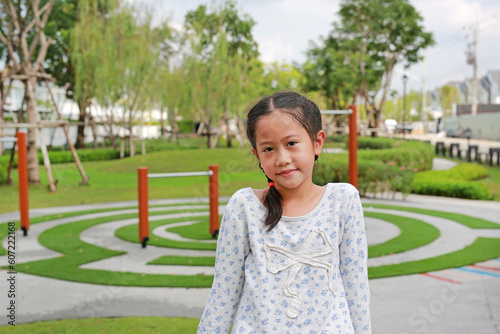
(65, 239)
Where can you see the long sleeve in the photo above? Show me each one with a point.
(353, 264)
(232, 249)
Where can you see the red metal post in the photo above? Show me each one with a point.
(214, 200)
(142, 173)
(22, 169)
(353, 147)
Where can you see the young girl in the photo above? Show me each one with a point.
(291, 258)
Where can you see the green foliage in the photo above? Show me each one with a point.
(237, 28)
(455, 182)
(281, 76)
(359, 55)
(374, 143)
(373, 176)
(221, 63)
(447, 97)
(332, 71)
(342, 138)
(186, 126)
(408, 155)
(379, 170)
(61, 23)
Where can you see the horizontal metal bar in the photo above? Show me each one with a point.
(161, 175)
(8, 139)
(336, 112)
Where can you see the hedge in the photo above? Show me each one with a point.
(380, 169)
(373, 176)
(375, 143)
(57, 156)
(455, 182)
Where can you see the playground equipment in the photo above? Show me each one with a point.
(213, 188)
(353, 140)
(22, 169)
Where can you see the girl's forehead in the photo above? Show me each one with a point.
(278, 124)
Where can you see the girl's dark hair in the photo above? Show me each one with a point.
(303, 111)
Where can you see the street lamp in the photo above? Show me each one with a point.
(405, 79)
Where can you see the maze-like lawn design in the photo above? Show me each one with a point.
(65, 239)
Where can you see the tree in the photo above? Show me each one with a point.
(115, 57)
(447, 97)
(281, 76)
(332, 70)
(22, 33)
(383, 33)
(220, 54)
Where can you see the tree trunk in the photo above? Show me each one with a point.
(163, 131)
(131, 138)
(132, 144)
(33, 171)
(376, 121)
(209, 135)
(80, 137)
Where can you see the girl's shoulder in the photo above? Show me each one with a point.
(246, 195)
(342, 190)
(343, 187)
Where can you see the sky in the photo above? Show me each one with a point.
(285, 29)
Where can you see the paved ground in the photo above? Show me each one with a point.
(461, 300)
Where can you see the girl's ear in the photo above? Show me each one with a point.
(318, 143)
(254, 153)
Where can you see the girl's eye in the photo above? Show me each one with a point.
(267, 149)
(292, 143)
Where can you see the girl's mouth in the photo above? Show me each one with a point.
(287, 172)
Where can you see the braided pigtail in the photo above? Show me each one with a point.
(274, 204)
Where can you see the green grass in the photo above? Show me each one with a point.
(481, 249)
(469, 221)
(197, 231)
(129, 325)
(66, 240)
(492, 181)
(185, 260)
(116, 180)
(129, 233)
(414, 233)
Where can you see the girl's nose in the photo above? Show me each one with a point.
(282, 158)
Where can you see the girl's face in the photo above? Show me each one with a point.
(285, 149)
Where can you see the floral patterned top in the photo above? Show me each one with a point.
(308, 275)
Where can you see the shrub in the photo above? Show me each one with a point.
(455, 182)
(380, 169)
(337, 139)
(415, 156)
(373, 176)
(451, 188)
(186, 126)
(375, 143)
